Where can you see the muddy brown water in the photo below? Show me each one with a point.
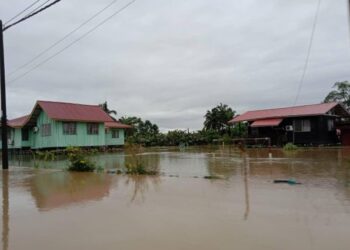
(49, 208)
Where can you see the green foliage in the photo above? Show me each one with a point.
(217, 119)
(79, 161)
(226, 139)
(216, 128)
(290, 147)
(41, 158)
(45, 155)
(239, 130)
(341, 94)
(135, 165)
(143, 132)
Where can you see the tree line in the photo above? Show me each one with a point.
(215, 129)
(215, 126)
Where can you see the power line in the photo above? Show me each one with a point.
(63, 38)
(41, 5)
(349, 16)
(308, 53)
(72, 43)
(31, 15)
(21, 12)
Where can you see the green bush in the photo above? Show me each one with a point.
(290, 147)
(79, 161)
(135, 165)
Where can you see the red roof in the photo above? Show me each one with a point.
(74, 112)
(267, 122)
(306, 110)
(116, 125)
(18, 122)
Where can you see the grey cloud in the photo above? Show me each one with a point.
(170, 61)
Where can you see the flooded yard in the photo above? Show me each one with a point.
(49, 208)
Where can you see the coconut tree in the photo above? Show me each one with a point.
(105, 108)
(216, 119)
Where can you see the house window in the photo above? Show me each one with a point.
(330, 125)
(46, 129)
(69, 128)
(255, 132)
(115, 133)
(92, 128)
(25, 134)
(302, 126)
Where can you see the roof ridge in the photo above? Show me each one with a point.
(71, 103)
(299, 106)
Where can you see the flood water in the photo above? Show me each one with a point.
(49, 208)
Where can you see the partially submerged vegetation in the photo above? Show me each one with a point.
(79, 161)
(135, 165)
(290, 147)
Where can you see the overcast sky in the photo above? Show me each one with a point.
(170, 61)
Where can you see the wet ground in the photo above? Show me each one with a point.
(49, 208)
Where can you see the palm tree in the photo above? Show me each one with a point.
(105, 108)
(216, 119)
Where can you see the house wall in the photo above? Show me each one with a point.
(114, 141)
(57, 139)
(318, 135)
(14, 138)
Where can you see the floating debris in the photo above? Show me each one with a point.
(211, 177)
(289, 181)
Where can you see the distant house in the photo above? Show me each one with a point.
(303, 125)
(59, 125)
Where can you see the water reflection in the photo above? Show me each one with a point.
(243, 206)
(5, 209)
(61, 189)
(246, 186)
(140, 185)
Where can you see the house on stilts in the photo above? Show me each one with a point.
(59, 125)
(302, 125)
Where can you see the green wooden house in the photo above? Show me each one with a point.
(59, 125)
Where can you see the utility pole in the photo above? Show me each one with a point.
(5, 160)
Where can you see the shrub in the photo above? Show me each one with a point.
(290, 147)
(135, 165)
(79, 161)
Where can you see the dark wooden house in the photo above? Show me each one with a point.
(302, 125)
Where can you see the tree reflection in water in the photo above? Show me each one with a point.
(141, 184)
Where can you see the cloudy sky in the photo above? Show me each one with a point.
(171, 60)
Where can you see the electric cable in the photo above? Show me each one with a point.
(73, 42)
(63, 38)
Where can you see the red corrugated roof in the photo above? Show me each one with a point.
(267, 122)
(116, 125)
(74, 112)
(18, 122)
(306, 110)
